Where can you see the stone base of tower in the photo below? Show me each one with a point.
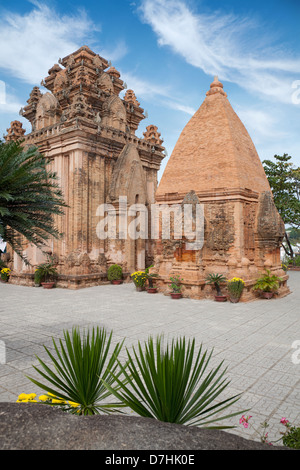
(200, 290)
(66, 281)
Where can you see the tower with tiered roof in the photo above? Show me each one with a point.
(87, 132)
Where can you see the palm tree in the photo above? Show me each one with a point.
(29, 196)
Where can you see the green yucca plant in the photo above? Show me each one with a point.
(80, 367)
(173, 385)
(29, 196)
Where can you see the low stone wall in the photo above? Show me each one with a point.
(29, 426)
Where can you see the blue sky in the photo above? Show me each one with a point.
(168, 52)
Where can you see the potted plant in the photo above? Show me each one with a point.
(152, 289)
(216, 280)
(235, 288)
(176, 287)
(139, 279)
(267, 284)
(46, 274)
(37, 277)
(5, 273)
(115, 274)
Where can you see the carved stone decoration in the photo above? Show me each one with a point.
(152, 135)
(105, 84)
(128, 178)
(270, 227)
(48, 111)
(101, 264)
(249, 216)
(60, 81)
(97, 62)
(113, 72)
(114, 113)
(15, 132)
(220, 227)
(130, 97)
(34, 96)
(79, 107)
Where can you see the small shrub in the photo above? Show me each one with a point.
(114, 272)
(45, 272)
(267, 282)
(175, 284)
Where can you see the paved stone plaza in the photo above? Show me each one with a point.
(254, 339)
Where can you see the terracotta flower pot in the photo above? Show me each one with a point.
(152, 290)
(117, 282)
(176, 295)
(234, 300)
(48, 285)
(140, 288)
(267, 295)
(220, 298)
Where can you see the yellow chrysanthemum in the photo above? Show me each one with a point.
(23, 396)
(43, 398)
(73, 404)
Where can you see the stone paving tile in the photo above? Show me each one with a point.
(254, 339)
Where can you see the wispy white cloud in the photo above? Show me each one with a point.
(36, 40)
(147, 90)
(116, 52)
(180, 107)
(263, 124)
(144, 88)
(220, 44)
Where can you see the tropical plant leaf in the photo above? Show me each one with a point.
(173, 385)
(80, 364)
(30, 197)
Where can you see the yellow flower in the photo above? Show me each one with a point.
(55, 400)
(23, 396)
(43, 397)
(26, 397)
(73, 404)
(31, 396)
(236, 279)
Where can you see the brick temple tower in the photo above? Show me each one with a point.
(87, 131)
(215, 164)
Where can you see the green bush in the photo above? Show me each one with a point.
(45, 272)
(292, 438)
(114, 272)
(267, 282)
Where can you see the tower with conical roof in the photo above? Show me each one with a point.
(215, 164)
